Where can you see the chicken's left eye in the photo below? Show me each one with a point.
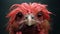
(39, 14)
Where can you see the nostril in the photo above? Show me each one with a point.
(32, 17)
(29, 16)
(26, 17)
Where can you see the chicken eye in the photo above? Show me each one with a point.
(20, 15)
(39, 14)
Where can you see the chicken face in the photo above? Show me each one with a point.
(28, 14)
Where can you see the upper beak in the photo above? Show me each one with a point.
(30, 19)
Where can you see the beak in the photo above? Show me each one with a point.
(29, 19)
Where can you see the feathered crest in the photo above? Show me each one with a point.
(32, 7)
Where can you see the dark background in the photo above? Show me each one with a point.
(53, 6)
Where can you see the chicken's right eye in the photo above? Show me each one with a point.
(19, 15)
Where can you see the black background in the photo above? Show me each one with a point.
(53, 6)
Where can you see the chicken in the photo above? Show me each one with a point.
(28, 18)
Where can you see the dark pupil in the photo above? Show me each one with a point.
(20, 15)
(39, 14)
